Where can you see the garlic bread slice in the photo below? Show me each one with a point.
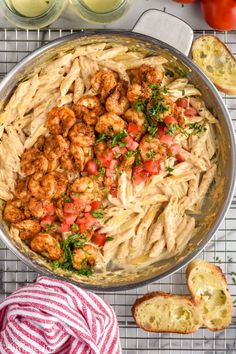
(163, 312)
(216, 60)
(208, 287)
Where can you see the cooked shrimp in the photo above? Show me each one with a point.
(82, 134)
(88, 108)
(87, 188)
(151, 148)
(47, 245)
(28, 228)
(126, 163)
(89, 255)
(132, 116)
(110, 123)
(67, 162)
(60, 120)
(117, 102)
(42, 186)
(40, 142)
(38, 208)
(104, 81)
(55, 146)
(13, 212)
(81, 155)
(21, 189)
(148, 74)
(60, 185)
(136, 91)
(100, 147)
(32, 161)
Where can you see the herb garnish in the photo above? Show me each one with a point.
(139, 105)
(65, 198)
(172, 129)
(196, 127)
(50, 227)
(109, 238)
(98, 213)
(103, 137)
(169, 169)
(151, 154)
(118, 137)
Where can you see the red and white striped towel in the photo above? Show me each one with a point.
(51, 316)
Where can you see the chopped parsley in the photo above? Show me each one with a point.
(196, 127)
(169, 169)
(65, 198)
(217, 259)
(98, 213)
(137, 160)
(234, 280)
(139, 105)
(103, 137)
(100, 167)
(71, 242)
(130, 153)
(151, 154)
(50, 227)
(118, 137)
(169, 73)
(105, 191)
(109, 239)
(74, 227)
(172, 129)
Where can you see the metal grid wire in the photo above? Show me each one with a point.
(14, 45)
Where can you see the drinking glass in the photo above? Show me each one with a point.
(32, 13)
(100, 11)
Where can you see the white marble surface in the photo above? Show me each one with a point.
(189, 12)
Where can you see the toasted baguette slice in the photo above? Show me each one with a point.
(216, 61)
(208, 287)
(163, 312)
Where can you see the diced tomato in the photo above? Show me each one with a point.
(110, 171)
(79, 202)
(182, 102)
(69, 219)
(106, 157)
(180, 157)
(133, 130)
(190, 112)
(81, 220)
(166, 139)
(140, 175)
(71, 208)
(88, 208)
(65, 227)
(174, 149)
(170, 120)
(130, 143)
(51, 209)
(99, 239)
(117, 150)
(152, 166)
(91, 220)
(82, 228)
(47, 220)
(92, 167)
(160, 132)
(95, 205)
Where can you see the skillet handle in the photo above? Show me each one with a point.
(167, 28)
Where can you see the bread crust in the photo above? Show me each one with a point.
(220, 87)
(154, 294)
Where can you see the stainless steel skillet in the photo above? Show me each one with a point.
(219, 198)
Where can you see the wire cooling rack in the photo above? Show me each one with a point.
(14, 45)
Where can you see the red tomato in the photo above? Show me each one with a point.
(190, 112)
(133, 130)
(79, 202)
(95, 205)
(130, 143)
(99, 239)
(182, 102)
(82, 228)
(81, 220)
(106, 157)
(140, 175)
(92, 167)
(71, 208)
(152, 166)
(220, 14)
(185, 1)
(51, 209)
(180, 157)
(69, 219)
(47, 220)
(160, 132)
(174, 149)
(166, 139)
(118, 151)
(88, 208)
(170, 120)
(65, 227)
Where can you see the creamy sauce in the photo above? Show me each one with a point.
(30, 8)
(101, 6)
